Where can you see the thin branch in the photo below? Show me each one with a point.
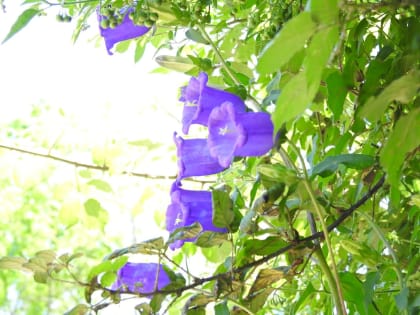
(306, 241)
(103, 168)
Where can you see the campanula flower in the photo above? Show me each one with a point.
(126, 29)
(199, 100)
(141, 278)
(238, 134)
(188, 207)
(194, 158)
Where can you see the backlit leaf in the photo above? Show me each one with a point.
(402, 140)
(21, 22)
(287, 42)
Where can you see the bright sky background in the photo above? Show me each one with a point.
(103, 93)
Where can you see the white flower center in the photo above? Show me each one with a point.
(224, 130)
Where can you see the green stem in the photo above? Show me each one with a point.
(255, 105)
(330, 279)
(341, 308)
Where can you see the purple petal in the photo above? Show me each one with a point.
(200, 100)
(225, 134)
(238, 134)
(194, 158)
(141, 278)
(124, 31)
(188, 207)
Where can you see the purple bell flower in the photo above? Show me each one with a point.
(141, 278)
(238, 134)
(199, 100)
(188, 207)
(194, 158)
(125, 30)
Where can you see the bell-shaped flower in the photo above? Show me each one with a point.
(238, 134)
(123, 31)
(199, 100)
(188, 207)
(141, 278)
(194, 158)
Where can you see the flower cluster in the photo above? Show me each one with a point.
(232, 131)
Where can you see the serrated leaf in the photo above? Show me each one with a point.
(47, 255)
(403, 139)
(402, 90)
(21, 22)
(13, 263)
(100, 185)
(331, 163)
(186, 232)
(41, 277)
(286, 43)
(222, 208)
(265, 278)
(210, 239)
(149, 247)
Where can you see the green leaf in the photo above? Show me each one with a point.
(302, 297)
(92, 207)
(41, 277)
(108, 278)
(100, 185)
(293, 100)
(337, 91)
(186, 232)
(222, 209)
(331, 163)
(264, 247)
(80, 309)
(210, 239)
(317, 56)
(325, 11)
(274, 174)
(196, 36)
(140, 48)
(402, 90)
(149, 247)
(287, 42)
(265, 278)
(177, 63)
(401, 299)
(403, 139)
(21, 22)
(13, 263)
(221, 309)
(353, 290)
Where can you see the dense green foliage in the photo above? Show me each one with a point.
(330, 218)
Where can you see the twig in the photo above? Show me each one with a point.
(103, 168)
(301, 242)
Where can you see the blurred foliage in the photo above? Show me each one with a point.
(341, 80)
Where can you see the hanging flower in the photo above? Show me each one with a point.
(125, 28)
(188, 207)
(194, 158)
(238, 134)
(199, 100)
(141, 278)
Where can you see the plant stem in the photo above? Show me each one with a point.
(225, 66)
(330, 279)
(341, 308)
